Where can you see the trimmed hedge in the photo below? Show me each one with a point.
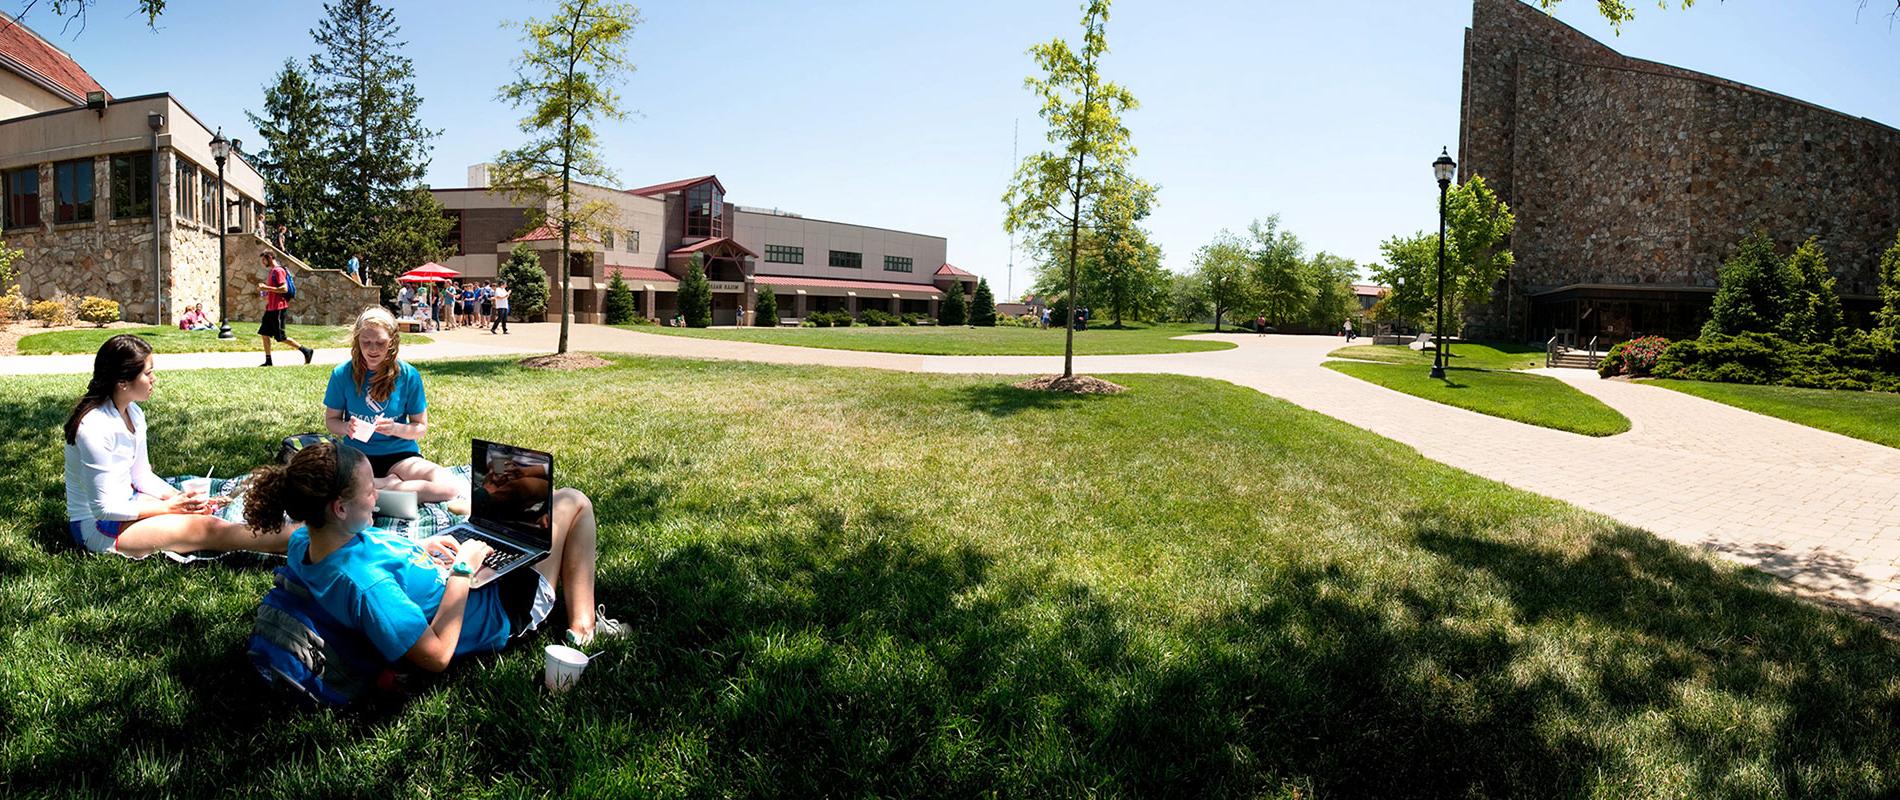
(874, 317)
(1859, 360)
(827, 319)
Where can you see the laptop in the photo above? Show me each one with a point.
(512, 508)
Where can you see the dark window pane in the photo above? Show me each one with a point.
(847, 259)
(132, 185)
(73, 201)
(23, 197)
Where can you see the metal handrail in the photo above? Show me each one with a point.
(1550, 353)
(1593, 347)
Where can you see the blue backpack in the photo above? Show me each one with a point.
(290, 285)
(299, 648)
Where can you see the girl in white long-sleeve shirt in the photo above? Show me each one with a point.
(114, 502)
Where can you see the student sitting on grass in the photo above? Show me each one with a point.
(412, 599)
(375, 403)
(114, 502)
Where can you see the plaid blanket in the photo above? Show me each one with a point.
(431, 518)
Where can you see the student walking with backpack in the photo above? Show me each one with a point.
(278, 288)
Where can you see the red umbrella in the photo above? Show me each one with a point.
(411, 278)
(433, 270)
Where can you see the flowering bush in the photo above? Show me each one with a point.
(1635, 358)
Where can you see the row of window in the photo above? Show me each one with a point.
(631, 240)
(130, 186)
(787, 254)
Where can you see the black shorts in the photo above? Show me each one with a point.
(487, 309)
(273, 325)
(517, 590)
(381, 465)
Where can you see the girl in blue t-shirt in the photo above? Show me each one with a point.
(413, 599)
(375, 404)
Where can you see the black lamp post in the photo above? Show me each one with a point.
(1442, 168)
(220, 150)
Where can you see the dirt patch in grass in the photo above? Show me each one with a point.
(566, 361)
(1080, 384)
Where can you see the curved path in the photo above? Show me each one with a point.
(1819, 509)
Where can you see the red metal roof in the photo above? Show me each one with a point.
(705, 244)
(840, 283)
(43, 60)
(948, 269)
(546, 232)
(639, 274)
(674, 186)
(1369, 289)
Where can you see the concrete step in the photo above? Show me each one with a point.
(1576, 361)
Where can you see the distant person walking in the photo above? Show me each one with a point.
(1045, 318)
(276, 292)
(1348, 330)
(283, 235)
(488, 304)
(1260, 325)
(501, 308)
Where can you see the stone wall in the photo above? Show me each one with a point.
(103, 257)
(1630, 173)
(324, 296)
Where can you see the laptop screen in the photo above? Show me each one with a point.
(514, 491)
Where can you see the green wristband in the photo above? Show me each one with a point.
(463, 569)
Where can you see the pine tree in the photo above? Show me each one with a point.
(695, 295)
(620, 306)
(293, 158)
(527, 284)
(371, 116)
(1814, 308)
(983, 308)
(413, 232)
(1888, 317)
(765, 310)
(954, 310)
(1753, 291)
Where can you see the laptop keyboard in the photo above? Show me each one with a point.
(497, 559)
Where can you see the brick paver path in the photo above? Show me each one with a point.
(1819, 509)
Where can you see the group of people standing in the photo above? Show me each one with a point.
(458, 305)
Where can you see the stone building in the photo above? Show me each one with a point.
(654, 232)
(1632, 181)
(120, 198)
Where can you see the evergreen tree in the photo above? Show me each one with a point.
(1814, 308)
(983, 307)
(1887, 318)
(293, 160)
(527, 284)
(695, 295)
(954, 310)
(1753, 291)
(765, 310)
(620, 307)
(412, 233)
(371, 116)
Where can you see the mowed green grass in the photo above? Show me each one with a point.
(169, 339)
(964, 341)
(1469, 355)
(1533, 399)
(1873, 416)
(868, 583)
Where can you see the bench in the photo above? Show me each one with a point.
(790, 322)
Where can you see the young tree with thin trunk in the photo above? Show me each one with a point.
(565, 77)
(1061, 188)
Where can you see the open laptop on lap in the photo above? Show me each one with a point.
(513, 507)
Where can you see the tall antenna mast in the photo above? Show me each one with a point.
(1009, 287)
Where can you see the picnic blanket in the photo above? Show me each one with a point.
(430, 518)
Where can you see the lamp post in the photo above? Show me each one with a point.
(1442, 168)
(220, 150)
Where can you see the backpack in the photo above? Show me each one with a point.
(291, 444)
(298, 648)
(290, 284)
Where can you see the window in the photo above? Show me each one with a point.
(705, 210)
(208, 199)
(896, 264)
(633, 241)
(131, 185)
(72, 184)
(23, 197)
(184, 180)
(784, 254)
(452, 241)
(840, 258)
(607, 239)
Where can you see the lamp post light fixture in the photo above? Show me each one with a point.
(1443, 168)
(220, 150)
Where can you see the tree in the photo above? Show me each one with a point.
(1283, 287)
(983, 307)
(565, 77)
(1223, 269)
(1888, 317)
(1122, 267)
(765, 309)
(620, 307)
(1753, 290)
(1083, 115)
(1187, 298)
(695, 294)
(1477, 225)
(371, 115)
(412, 233)
(1619, 11)
(293, 160)
(1814, 308)
(1411, 269)
(954, 311)
(527, 283)
(1333, 300)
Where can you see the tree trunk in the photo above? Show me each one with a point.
(1075, 222)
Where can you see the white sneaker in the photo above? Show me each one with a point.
(604, 627)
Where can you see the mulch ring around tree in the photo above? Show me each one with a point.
(566, 361)
(1080, 384)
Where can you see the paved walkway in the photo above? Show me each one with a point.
(1819, 509)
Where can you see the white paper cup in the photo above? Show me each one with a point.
(199, 485)
(564, 666)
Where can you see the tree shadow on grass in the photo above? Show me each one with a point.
(1004, 400)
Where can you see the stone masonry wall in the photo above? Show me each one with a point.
(1628, 172)
(324, 296)
(104, 257)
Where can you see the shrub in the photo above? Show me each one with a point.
(52, 313)
(99, 311)
(954, 310)
(640, 320)
(527, 284)
(765, 308)
(1860, 360)
(914, 318)
(875, 317)
(620, 303)
(983, 305)
(1752, 357)
(827, 319)
(1612, 363)
(12, 306)
(1635, 358)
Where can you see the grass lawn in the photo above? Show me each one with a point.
(867, 583)
(1469, 355)
(1534, 399)
(961, 341)
(1874, 416)
(169, 339)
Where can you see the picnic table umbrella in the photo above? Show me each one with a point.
(434, 270)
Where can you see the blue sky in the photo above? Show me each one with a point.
(899, 114)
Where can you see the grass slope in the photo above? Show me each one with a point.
(962, 341)
(1534, 399)
(866, 583)
(1873, 416)
(169, 339)
(1469, 355)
